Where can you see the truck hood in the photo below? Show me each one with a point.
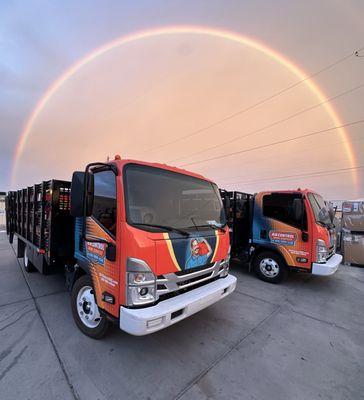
(177, 253)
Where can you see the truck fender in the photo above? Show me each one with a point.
(73, 272)
(20, 248)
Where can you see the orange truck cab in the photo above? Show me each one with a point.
(279, 231)
(150, 245)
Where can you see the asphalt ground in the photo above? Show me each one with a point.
(302, 339)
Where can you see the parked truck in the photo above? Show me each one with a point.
(280, 231)
(142, 245)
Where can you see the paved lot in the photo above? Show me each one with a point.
(303, 339)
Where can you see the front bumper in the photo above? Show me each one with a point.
(147, 320)
(329, 268)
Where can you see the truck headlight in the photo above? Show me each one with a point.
(225, 267)
(140, 283)
(321, 251)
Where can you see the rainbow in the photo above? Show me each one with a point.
(177, 30)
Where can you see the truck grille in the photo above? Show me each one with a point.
(183, 280)
(331, 251)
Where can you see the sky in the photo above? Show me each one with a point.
(169, 95)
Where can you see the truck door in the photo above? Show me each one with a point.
(102, 224)
(276, 224)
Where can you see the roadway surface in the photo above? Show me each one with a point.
(303, 339)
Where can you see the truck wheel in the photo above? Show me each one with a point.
(85, 311)
(270, 267)
(28, 266)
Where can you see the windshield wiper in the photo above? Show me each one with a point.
(194, 223)
(165, 227)
(213, 226)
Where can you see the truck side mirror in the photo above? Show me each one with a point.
(227, 206)
(77, 194)
(226, 202)
(298, 209)
(331, 213)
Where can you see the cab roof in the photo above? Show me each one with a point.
(122, 162)
(299, 190)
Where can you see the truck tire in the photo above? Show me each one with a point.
(270, 267)
(85, 311)
(28, 266)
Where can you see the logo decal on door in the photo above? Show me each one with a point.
(286, 238)
(96, 252)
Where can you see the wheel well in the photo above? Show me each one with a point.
(78, 273)
(73, 274)
(21, 248)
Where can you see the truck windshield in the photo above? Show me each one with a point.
(159, 197)
(320, 209)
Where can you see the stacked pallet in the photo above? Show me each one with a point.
(353, 232)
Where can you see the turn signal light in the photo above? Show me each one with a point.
(108, 298)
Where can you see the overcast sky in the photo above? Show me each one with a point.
(159, 89)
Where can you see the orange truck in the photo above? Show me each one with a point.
(142, 245)
(281, 231)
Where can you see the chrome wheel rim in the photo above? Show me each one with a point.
(87, 308)
(269, 267)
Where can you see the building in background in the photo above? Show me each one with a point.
(337, 204)
(2, 211)
(353, 232)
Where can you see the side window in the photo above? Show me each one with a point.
(104, 208)
(279, 206)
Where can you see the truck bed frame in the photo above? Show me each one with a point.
(40, 217)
